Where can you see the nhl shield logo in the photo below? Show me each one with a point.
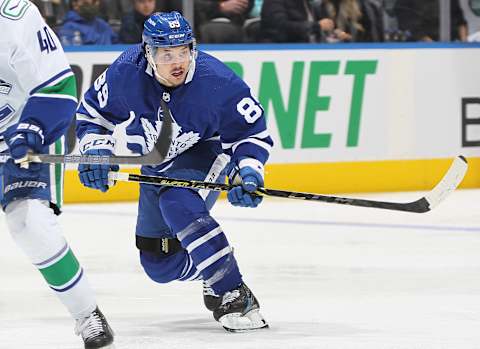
(5, 87)
(166, 97)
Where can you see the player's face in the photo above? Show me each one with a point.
(173, 63)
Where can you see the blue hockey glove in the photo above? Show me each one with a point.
(21, 139)
(247, 177)
(96, 176)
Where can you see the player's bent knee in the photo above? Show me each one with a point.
(163, 269)
(34, 228)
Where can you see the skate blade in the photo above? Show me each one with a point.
(251, 321)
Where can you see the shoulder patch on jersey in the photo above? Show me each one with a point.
(14, 9)
(5, 87)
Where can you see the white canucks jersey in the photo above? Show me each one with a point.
(36, 82)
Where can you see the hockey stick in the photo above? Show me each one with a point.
(155, 157)
(447, 184)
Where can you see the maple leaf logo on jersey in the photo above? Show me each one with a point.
(180, 141)
(151, 132)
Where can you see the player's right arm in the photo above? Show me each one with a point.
(101, 109)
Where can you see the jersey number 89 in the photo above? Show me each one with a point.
(102, 88)
(249, 109)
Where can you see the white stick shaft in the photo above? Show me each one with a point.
(118, 176)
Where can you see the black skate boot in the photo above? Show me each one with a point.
(211, 300)
(95, 331)
(239, 311)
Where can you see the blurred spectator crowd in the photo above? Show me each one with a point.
(103, 22)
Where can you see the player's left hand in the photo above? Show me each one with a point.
(20, 139)
(243, 195)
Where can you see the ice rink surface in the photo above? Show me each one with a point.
(327, 277)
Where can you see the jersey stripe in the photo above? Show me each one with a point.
(64, 88)
(53, 80)
(94, 116)
(261, 135)
(255, 141)
(45, 95)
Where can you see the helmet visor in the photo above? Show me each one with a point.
(171, 55)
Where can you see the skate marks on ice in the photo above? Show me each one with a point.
(200, 332)
(356, 280)
(194, 332)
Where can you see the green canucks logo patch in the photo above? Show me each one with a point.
(14, 9)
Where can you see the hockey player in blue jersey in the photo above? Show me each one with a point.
(219, 129)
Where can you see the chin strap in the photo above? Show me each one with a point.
(191, 68)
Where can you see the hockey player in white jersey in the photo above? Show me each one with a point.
(37, 102)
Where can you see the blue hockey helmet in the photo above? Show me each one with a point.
(167, 29)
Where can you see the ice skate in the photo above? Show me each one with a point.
(211, 300)
(95, 331)
(239, 311)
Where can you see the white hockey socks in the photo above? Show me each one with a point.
(35, 229)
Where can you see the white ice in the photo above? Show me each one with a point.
(327, 277)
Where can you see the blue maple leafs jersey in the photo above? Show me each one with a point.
(214, 103)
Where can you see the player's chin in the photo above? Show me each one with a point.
(177, 79)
